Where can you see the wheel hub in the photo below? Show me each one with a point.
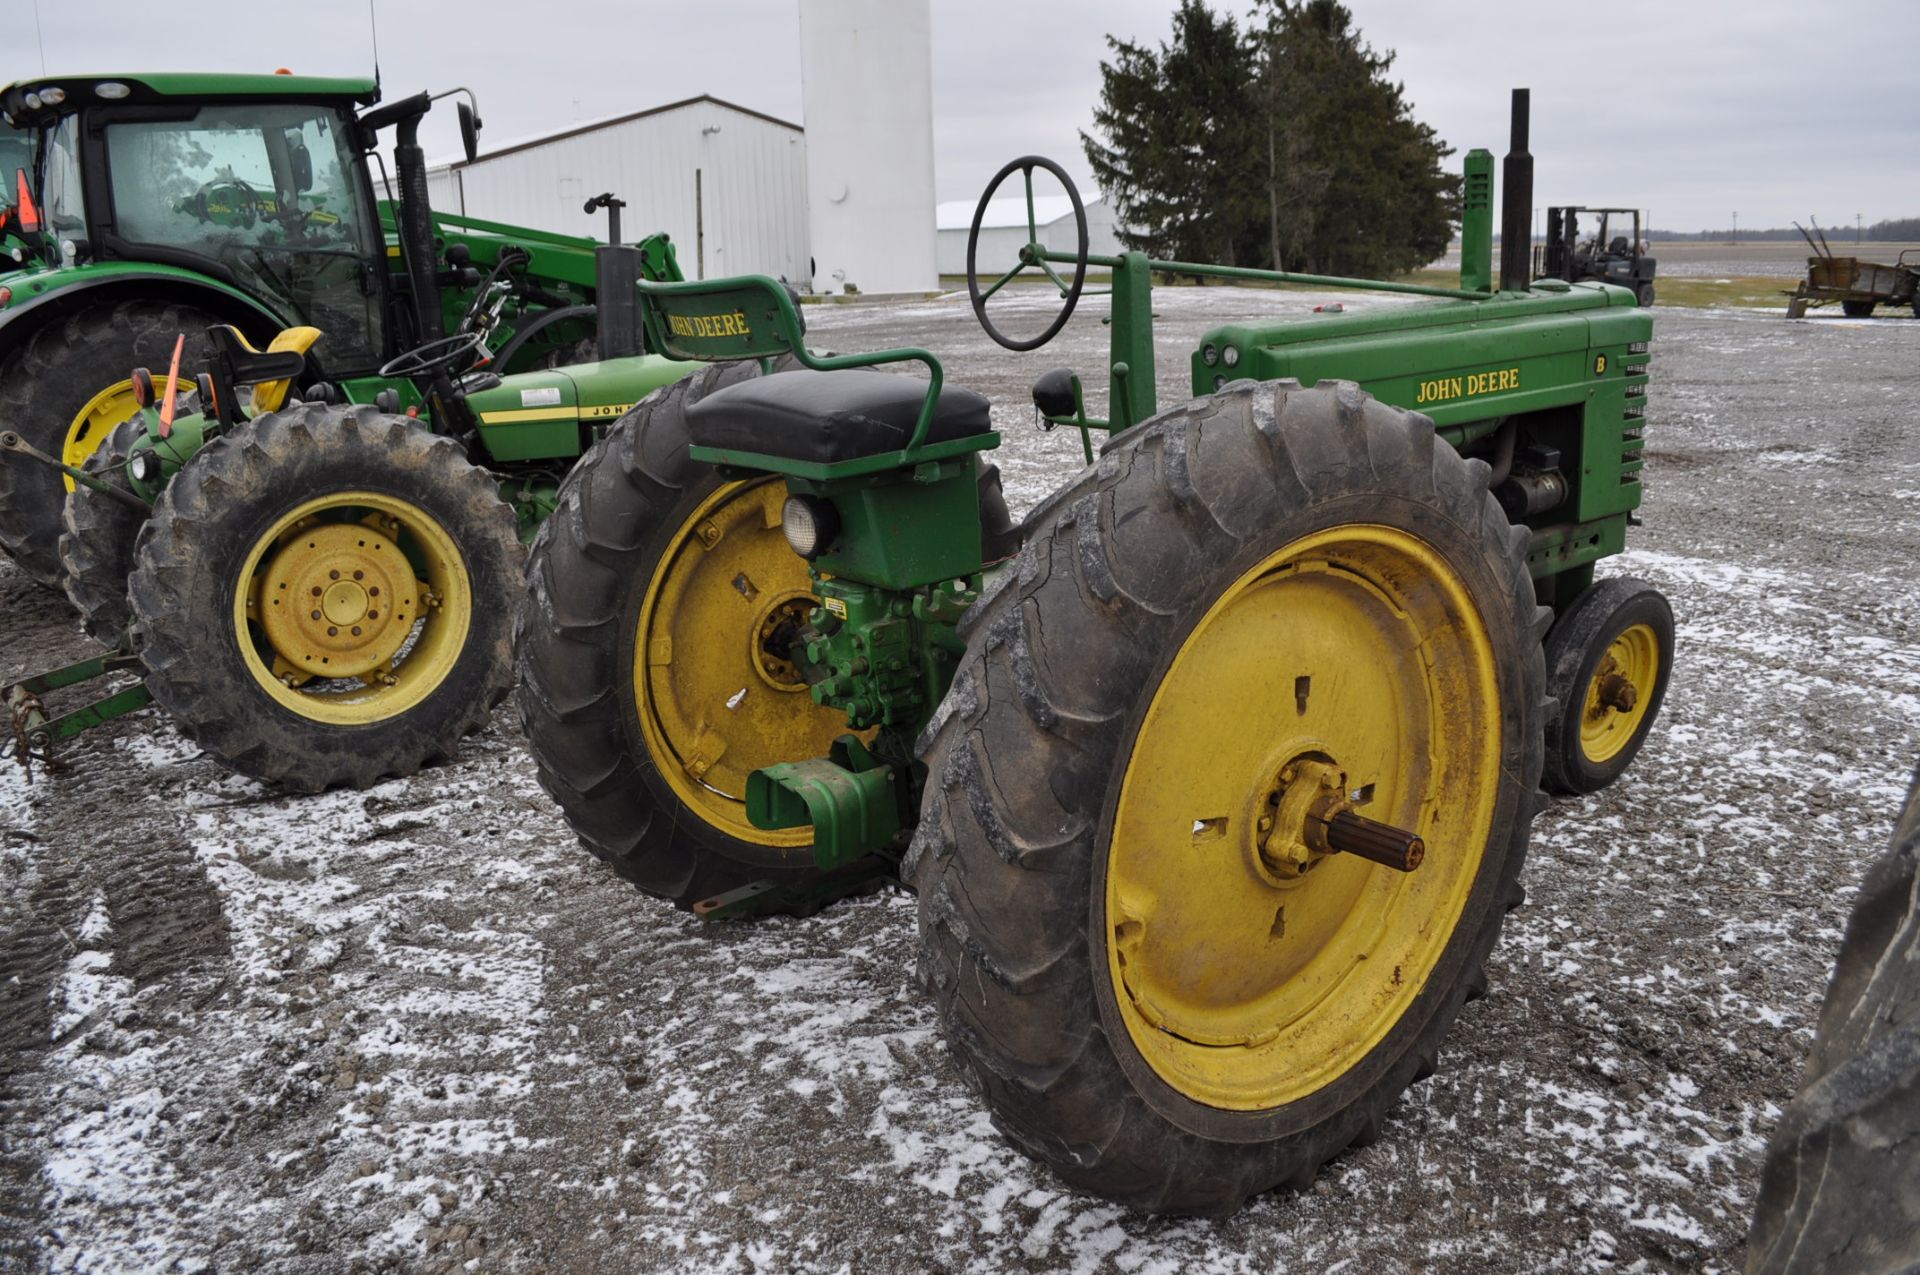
(337, 600)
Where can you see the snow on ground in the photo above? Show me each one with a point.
(415, 1028)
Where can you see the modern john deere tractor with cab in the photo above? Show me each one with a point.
(153, 206)
(320, 590)
(1214, 775)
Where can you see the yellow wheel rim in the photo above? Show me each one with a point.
(353, 608)
(94, 422)
(1619, 693)
(714, 704)
(1247, 980)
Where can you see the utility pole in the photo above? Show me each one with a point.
(1736, 228)
(1856, 227)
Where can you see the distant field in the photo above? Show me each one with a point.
(1755, 276)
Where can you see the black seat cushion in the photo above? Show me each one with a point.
(828, 417)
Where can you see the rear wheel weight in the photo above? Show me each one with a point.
(646, 691)
(1608, 661)
(326, 597)
(1120, 675)
(64, 391)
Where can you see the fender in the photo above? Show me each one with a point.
(41, 297)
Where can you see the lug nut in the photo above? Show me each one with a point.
(333, 575)
(332, 632)
(356, 630)
(316, 615)
(359, 575)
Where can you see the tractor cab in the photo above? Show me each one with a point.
(1605, 245)
(256, 181)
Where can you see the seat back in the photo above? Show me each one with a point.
(754, 317)
(272, 372)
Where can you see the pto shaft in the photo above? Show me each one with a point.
(1379, 842)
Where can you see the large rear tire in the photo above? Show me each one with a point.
(647, 685)
(1840, 1190)
(1246, 589)
(65, 391)
(326, 596)
(1857, 309)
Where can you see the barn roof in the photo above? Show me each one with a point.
(528, 142)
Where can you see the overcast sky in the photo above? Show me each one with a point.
(1693, 110)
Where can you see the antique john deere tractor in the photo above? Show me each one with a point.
(1214, 775)
(320, 590)
(151, 206)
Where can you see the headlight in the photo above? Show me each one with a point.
(809, 525)
(52, 97)
(145, 467)
(1232, 356)
(112, 90)
(1209, 355)
(33, 101)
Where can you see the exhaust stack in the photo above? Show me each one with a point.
(1516, 205)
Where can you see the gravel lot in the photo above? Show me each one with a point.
(415, 1028)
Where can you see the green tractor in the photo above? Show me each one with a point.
(1215, 774)
(153, 206)
(321, 590)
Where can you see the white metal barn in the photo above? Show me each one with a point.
(727, 183)
(1003, 231)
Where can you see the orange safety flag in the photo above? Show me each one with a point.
(29, 212)
(173, 383)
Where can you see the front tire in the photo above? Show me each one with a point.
(326, 595)
(1643, 296)
(647, 687)
(64, 391)
(97, 543)
(1857, 309)
(1260, 584)
(1608, 660)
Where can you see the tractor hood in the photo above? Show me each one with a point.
(32, 102)
(549, 415)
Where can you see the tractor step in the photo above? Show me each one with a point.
(802, 898)
(35, 733)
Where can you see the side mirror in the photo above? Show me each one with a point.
(469, 131)
(302, 162)
(1057, 393)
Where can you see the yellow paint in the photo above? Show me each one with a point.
(527, 414)
(271, 396)
(329, 596)
(1246, 987)
(1441, 389)
(709, 325)
(1605, 730)
(606, 411)
(91, 425)
(714, 707)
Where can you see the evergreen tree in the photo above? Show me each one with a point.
(1177, 122)
(1285, 146)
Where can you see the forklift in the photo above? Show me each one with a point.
(1607, 255)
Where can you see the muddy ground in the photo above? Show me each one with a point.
(415, 1028)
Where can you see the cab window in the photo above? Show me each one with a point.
(271, 192)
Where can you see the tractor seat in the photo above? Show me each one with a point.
(828, 417)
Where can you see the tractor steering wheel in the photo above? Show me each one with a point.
(435, 356)
(1071, 292)
(246, 209)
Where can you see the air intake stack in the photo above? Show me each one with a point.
(1516, 205)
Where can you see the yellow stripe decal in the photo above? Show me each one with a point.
(525, 414)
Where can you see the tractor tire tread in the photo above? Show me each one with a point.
(604, 532)
(219, 504)
(47, 380)
(1004, 867)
